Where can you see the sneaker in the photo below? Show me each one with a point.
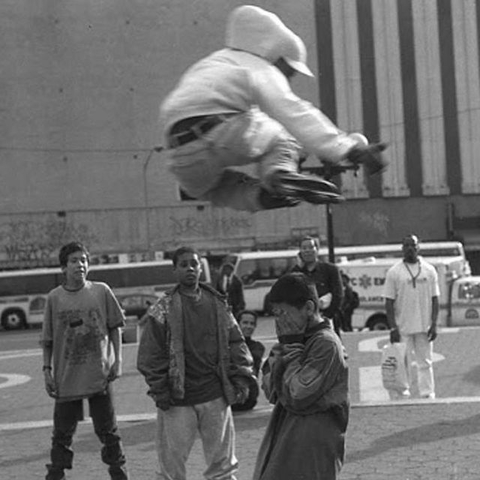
(268, 201)
(54, 474)
(118, 472)
(309, 188)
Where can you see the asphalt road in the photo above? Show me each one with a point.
(457, 370)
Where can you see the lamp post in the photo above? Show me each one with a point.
(328, 171)
(145, 192)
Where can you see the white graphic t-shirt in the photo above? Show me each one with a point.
(412, 288)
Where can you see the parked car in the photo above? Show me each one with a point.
(136, 304)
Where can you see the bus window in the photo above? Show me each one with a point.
(38, 305)
(469, 291)
(28, 284)
(113, 278)
(263, 268)
(279, 267)
(246, 271)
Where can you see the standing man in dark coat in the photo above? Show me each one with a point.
(230, 285)
(325, 276)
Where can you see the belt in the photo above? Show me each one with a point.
(190, 129)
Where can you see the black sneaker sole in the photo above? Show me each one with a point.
(319, 199)
(309, 189)
(292, 185)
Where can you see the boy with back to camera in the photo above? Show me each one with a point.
(308, 383)
(81, 341)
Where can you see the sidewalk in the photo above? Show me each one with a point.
(431, 440)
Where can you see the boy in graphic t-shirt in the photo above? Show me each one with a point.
(82, 355)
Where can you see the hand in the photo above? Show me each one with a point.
(285, 325)
(275, 353)
(292, 351)
(163, 404)
(242, 389)
(432, 333)
(115, 371)
(325, 301)
(242, 395)
(395, 336)
(50, 384)
(370, 156)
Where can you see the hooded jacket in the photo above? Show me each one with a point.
(254, 30)
(242, 77)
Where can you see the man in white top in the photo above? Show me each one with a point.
(411, 296)
(235, 107)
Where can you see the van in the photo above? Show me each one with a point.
(259, 271)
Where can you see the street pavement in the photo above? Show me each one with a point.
(410, 440)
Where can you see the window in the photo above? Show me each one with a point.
(469, 291)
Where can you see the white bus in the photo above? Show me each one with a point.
(23, 292)
(259, 270)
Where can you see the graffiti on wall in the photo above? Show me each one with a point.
(209, 228)
(34, 241)
(376, 222)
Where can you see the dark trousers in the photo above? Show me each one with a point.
(65, 420)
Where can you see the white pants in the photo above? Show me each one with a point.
(176, 432)
(421, 350)
(203, 167)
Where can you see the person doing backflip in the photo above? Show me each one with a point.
(235, 107)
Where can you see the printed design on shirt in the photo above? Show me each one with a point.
(159, 310)
(83, 335)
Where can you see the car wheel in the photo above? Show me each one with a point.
(378, 323)
(14, 319)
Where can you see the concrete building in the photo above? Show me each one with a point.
(81, 85)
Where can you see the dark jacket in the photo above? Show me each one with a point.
(161, 352)
(327, 279)
(234, 293)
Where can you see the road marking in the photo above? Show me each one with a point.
(19, 355)
(136, 417)
(371, 385)
(13, 380)
(370, 378)
(16, 379)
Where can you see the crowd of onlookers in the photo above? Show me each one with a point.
(201, 362)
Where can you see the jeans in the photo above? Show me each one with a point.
(65, 420)
(202, 167)
(176, 431)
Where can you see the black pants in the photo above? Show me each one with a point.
(65, 420)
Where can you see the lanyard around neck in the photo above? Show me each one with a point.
(412, 276)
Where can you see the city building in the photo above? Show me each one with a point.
(81, 86)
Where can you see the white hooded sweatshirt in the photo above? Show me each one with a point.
(242, 76)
